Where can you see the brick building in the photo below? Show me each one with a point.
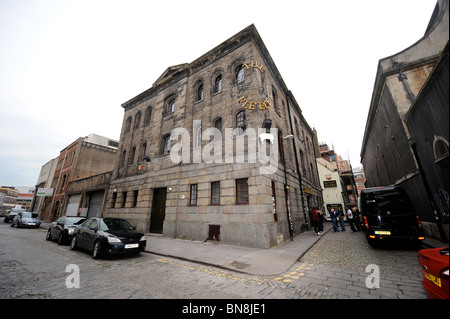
(79, 160)
(194, 161)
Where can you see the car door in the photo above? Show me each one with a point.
(81, 233)
(91, 233)
(56, 227)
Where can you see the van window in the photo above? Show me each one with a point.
(392, 203)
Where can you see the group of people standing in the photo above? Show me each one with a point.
(337, 218)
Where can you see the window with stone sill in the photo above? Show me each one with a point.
(166, 145)
(199, 95)
(215, 193)
(169, 107)
(218, 84)
(242, 191)
(193, 196)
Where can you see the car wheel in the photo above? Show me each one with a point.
(49, 235)
(60, 239)
(73, 243)
(97, 251)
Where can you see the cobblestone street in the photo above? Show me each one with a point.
(335, 268)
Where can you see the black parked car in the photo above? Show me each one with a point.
(62, 229)
(387, 214)
(108, 235)
(13, 213)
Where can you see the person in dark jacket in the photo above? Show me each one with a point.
(333, 216)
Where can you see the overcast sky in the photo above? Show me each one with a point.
(67, 66)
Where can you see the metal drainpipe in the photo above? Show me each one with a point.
(296, 163)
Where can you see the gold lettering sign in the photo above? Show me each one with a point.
(249, 105)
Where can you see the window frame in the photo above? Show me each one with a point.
(169, 106)
(215, 193)
(165, 147)
(239, 74)
(193, 195)
(218, 84)
(239, 192)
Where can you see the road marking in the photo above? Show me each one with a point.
(214, 272)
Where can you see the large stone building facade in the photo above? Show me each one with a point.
(194, 161)
(387, 152)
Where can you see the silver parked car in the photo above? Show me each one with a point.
(26, 219)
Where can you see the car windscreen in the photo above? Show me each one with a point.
(115, 224)
(387, 204)
(74, 220)
(29, 215)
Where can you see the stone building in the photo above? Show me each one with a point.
(386, 153)
(195, 162)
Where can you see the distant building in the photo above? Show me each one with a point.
(79, 160)
(25, 197)
(44, 181)
(8, 197)
(360, 178)
(333, 187)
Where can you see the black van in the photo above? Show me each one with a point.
(387, 213)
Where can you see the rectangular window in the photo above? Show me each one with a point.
(124, 199)
(113, 201)
(194, 189)
(135, 198)
(274, 202)
(242, 191)
(215, 193)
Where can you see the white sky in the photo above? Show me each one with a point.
(79, 60)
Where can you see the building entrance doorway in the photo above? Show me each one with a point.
(158, 210)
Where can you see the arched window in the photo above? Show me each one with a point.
(148, 115)
(440, 148)
(199, 96)
(137, 120)
(170, 106)
(218, 124)
(132, 154)
(128, 124)
(218, 127)
(123, 158)
(218, 84)
(166, 145)
(239, 74)
(143, 151)
(274, 98)
(240, 121)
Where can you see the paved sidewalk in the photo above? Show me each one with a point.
(274, 261)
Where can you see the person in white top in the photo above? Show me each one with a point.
(350, 219)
